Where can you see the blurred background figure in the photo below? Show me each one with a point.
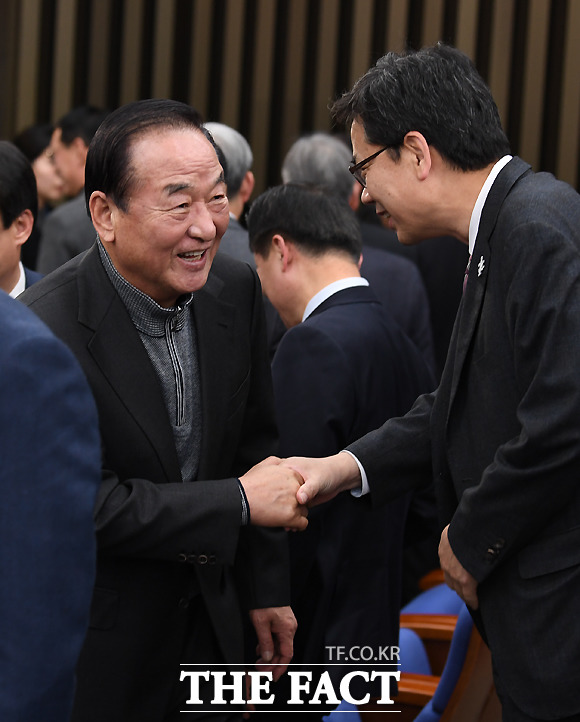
(237, 158)
(18, 207)
(240, 183)
(322, 160)
(68, 230)
(34, 142)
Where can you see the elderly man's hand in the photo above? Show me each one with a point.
(275, 628)
(271, 492)
(456, 576)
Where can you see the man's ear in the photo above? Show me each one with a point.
(80, 148)
(22, 227)
(416, 144)
(284, 249)
(354, 197)
(247, 186)
(102, 214)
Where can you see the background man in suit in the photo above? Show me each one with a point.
(34, 142)
(322, 160)
(500, 435)
(18, 208)
(238, 159)
(240, 183)
(49, 475)
(177, 360)
(342, 368)
(68, 230)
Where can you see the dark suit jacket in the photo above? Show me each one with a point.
(441, 262)
(31, 277)
(66, 232)
(500, 436)
(235, 243)
(49, 476)
(338, 374)
(160, 540)
(398, 285)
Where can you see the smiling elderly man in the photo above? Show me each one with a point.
(172, 341)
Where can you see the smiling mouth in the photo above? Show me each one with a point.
(193, 255)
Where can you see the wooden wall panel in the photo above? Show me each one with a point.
(270, 68)
(466, 37)
(232, 68)
(262, 89)
(534, 79)
(132, 48)
(162, 49)
(200, 72)
(62, 80)
(396, 39)
(293, 79)
(98, 81)
(432, 21)
(27, 61)
(569, 130)
(500, 53)
(361, 39)
(326, 62)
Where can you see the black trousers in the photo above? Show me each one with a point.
(203, 649)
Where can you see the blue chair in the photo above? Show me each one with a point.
(440, 599)
(433, 616)
(345, 712)
(465, 690)
(412, 653)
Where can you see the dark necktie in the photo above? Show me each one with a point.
(466, 276)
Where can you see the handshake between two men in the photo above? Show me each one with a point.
(279, 491)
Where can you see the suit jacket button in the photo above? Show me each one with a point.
(183, 603)
(182, 558)
(202, 559)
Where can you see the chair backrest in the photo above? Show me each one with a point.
(455, 661)
(440, 599)
(412, 653)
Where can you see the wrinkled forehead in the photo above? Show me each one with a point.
(163, 159)
(173, 151)
(174, 140)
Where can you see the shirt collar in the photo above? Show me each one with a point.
(482, 197)
(330, 290)
(21, 283)
(147, 315)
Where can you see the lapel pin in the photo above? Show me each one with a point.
(480, 266)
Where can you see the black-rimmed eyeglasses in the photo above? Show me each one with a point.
(355, 168)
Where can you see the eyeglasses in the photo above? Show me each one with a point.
(355, 168)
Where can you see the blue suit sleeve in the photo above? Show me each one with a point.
(49, 475)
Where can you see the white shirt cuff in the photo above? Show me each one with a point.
(364, 488)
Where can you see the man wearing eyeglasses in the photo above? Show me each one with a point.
(500, 435)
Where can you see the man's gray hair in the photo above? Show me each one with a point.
(322, 160)
(237, 153)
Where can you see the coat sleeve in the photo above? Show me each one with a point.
(397, 456)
